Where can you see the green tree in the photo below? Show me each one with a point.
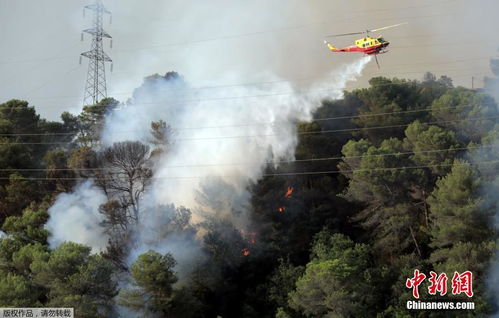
(458, 212)
(56, 165)
(379, 181)
(282, 282)
(17, 195)
(25, 235)
(17, 291)
(446, 81)
(83, 161)
(377, 177)
(461, 230)
(75, 278)
(335, 281)
(23, 125)
(153, 278)
(223, 242)
(428, 141)
(22, 259)
(14, 155)
(470, 114)
(28, 228)
(91, 121)
(15, 274)
(22, 118)
(161, 133)
(392, 103)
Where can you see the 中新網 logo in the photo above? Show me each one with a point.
(462, 283)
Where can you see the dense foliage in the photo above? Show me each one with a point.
(410, 184)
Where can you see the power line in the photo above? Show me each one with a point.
(298, 133)
(283, 174)
(309, 91)
(432, 4)
(377, 169)
(423, 72)
(49, 81)
(275, 162)
(310, 78)
(277, 30)
(444, 63)
(395, 47)
(300, 93)
(248, 124)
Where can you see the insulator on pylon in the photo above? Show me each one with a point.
(111, 44)
(82, 37)
(110, 19)
(111, 67)
(80, 59)
(84, 12)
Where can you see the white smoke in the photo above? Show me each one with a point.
(223, 138)
(156, 232)
(238, 152)
(222, 127)
(491, 202)
(75, 217)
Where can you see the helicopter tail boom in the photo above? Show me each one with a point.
(330, 46)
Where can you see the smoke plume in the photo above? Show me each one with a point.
(75, 217)
(223, 138)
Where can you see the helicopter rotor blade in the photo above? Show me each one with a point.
(367, 31)
(344, 34)
(388, 27)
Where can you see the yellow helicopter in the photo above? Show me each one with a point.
(367, 45)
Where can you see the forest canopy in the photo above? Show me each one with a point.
(409, 182)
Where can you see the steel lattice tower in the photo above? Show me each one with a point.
(95, 86)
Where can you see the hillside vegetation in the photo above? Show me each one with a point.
(405, 179)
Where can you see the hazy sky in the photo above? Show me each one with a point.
(221, 42)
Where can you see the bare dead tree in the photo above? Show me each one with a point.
(125, 174)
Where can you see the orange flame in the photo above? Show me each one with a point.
(289, 192)
(248, 236)
(281, 209)
(252, 238)
(245, 251)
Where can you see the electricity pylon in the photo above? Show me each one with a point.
(95, 86)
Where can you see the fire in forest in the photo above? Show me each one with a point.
(287, 195)
(249, 237)
(252, 237)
